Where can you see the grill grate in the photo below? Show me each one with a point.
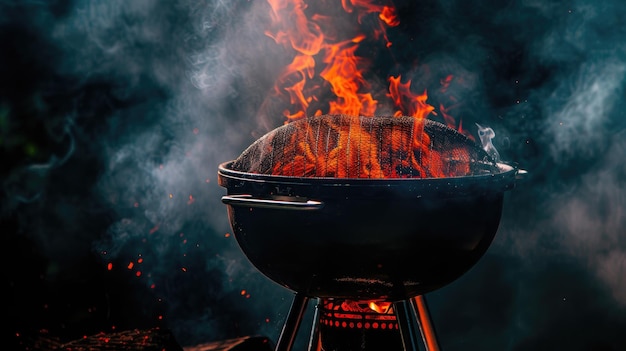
(342, 146)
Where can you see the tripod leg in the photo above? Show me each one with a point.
(292, 323)
(425, 323)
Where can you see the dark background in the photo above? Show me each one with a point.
(115, 114)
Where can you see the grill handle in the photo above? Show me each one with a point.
(249, 201)
(521, 174)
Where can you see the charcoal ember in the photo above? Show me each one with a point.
(245, 343)
(155, 339)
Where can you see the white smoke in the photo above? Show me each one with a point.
(587, 209)
(592, 216)
(579, 126)
(578, 192)
(175, 87)
(186, 68)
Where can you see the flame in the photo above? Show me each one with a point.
(358, 314)
(342, 75)
(380, 306)
(323, 36)
(350, 149)
(346, 80)
(333, 39)
(409, 104)
(342, 87)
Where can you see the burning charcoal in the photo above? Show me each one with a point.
(246, 343)
(152, 339)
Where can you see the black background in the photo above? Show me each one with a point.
(114, 116)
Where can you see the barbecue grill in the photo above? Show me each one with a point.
(361, 208)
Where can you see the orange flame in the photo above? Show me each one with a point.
(380, 306)
(346, 79)
(415, 105)
(351, 149)
(343, 70)
(358, 314)
(341, 87)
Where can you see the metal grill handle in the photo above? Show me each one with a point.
(249, 201)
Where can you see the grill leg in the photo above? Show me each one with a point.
(314, 341)
(292, 323)
(408, 331)
(425, 323)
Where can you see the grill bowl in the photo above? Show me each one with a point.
(388, 239)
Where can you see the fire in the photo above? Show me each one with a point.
(358, 314)
(313, 38)
(342, 88)
(346, 146)
(379, 306)
(410, 105)
(321, 35)
(346, 80)
(332, 37)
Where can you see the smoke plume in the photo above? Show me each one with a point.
(114, 116)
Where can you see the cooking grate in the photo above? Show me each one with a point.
(342, 146)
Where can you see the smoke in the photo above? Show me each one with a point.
(584, 130)
(114, 116)
(561, 232)
(580, 125)
(160, 171)
(549, 78)
(592, 216)
(144, 100)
